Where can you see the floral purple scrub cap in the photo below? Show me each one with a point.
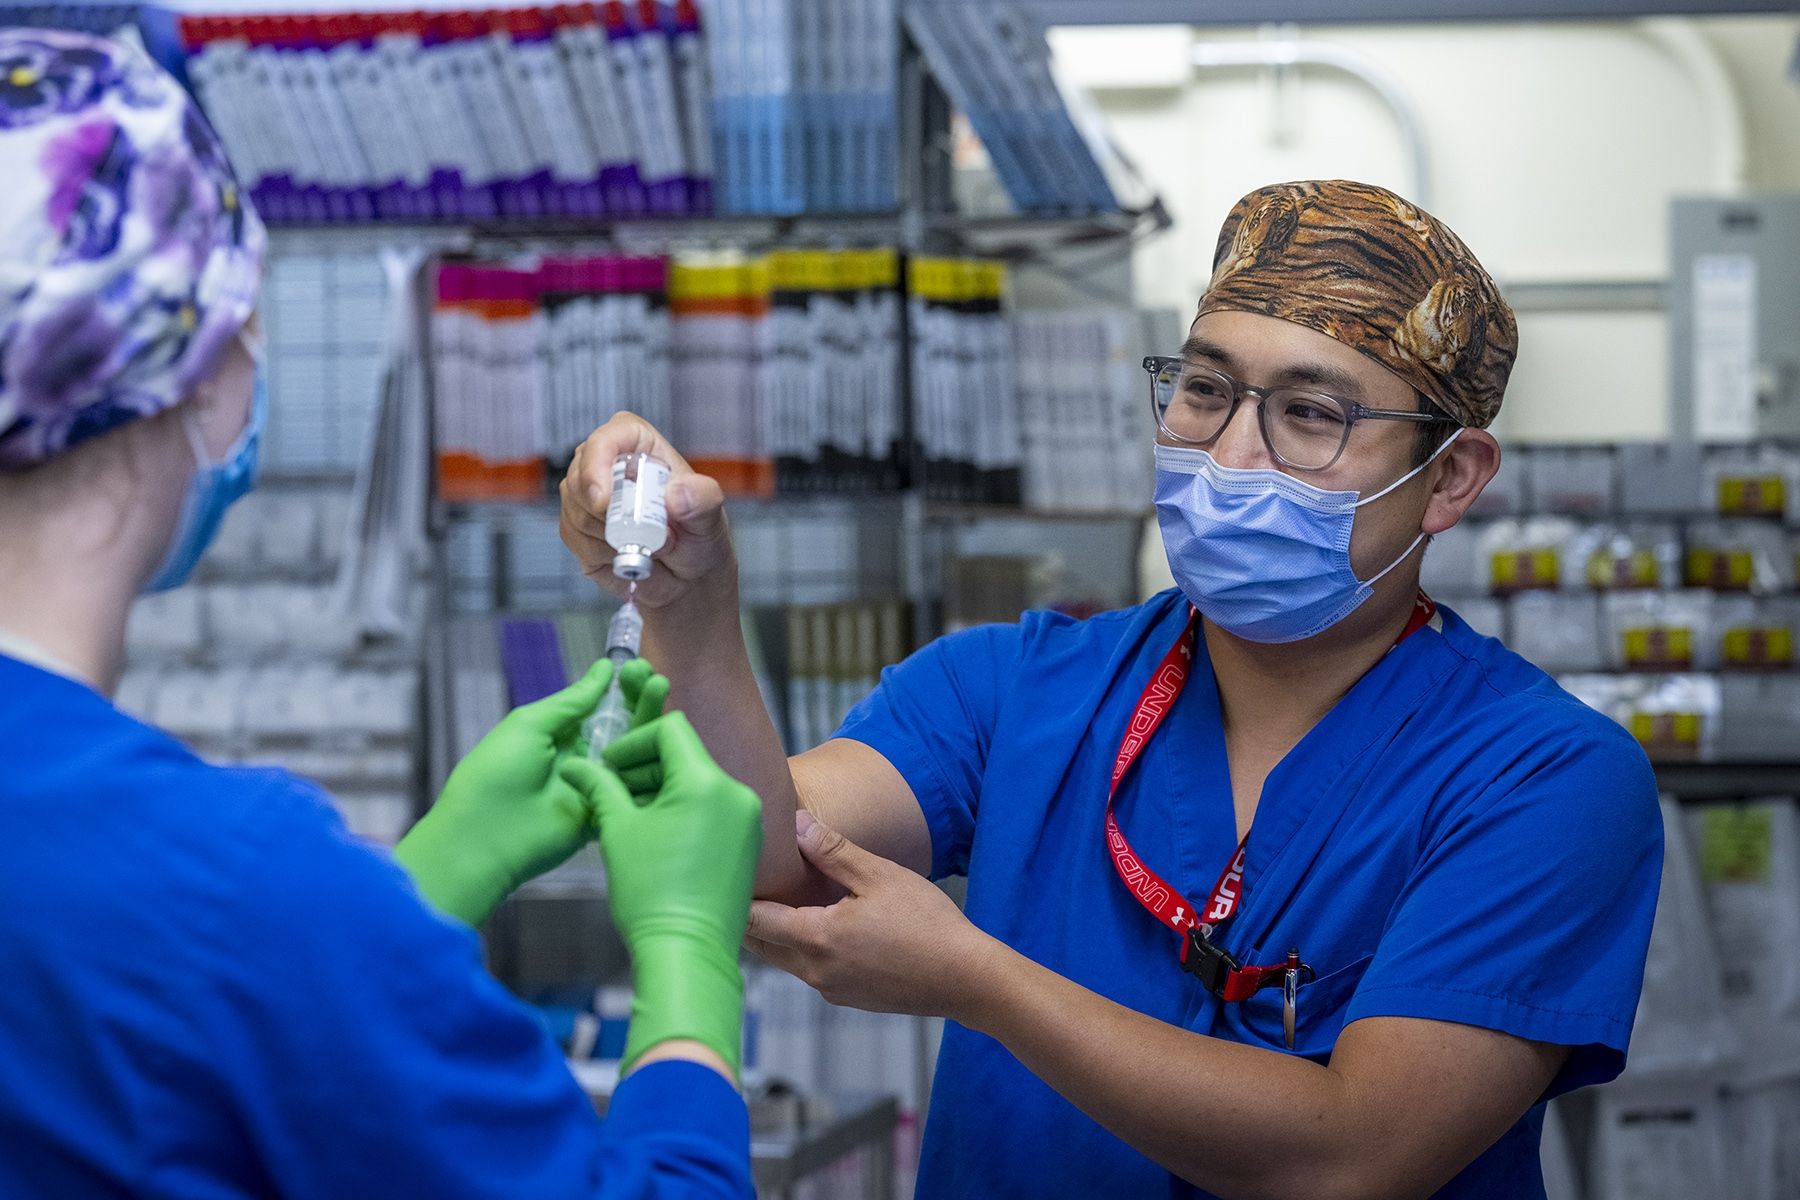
(128, 255)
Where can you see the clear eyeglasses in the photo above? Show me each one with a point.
(1304, 430)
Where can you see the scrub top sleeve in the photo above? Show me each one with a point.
(1530, 913)
(369, 1052)
(676, 1130)
(933, 718)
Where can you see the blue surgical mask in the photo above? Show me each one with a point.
(1263, 555)
(215, 486)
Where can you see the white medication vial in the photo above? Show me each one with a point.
(637, 523)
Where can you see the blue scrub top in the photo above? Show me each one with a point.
(1458, 839)
(209, 989)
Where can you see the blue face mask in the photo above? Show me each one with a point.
(213, 489)
(1262, 555)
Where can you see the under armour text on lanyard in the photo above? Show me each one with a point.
(1221, 974)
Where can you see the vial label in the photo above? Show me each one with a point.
(636, 514)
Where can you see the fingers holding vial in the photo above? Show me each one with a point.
(628, 496)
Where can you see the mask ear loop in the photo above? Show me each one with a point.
(1406, 553)
(257, 349)
(1443, 446)
(191, 424)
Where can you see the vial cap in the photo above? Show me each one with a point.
(631, 563)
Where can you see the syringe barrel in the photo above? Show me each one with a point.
(625, 633)
(609, 722)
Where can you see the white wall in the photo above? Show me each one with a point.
(1554, 151)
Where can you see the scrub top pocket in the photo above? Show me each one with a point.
(1319, 1009)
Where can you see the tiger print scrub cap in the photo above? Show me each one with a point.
(128, 257)
(1377, 273)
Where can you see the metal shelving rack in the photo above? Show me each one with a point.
(926, 222)
(920, 530)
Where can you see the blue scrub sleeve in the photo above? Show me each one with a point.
(1530, 913)
(933, 718)
(676, 1131)
(377, 1056)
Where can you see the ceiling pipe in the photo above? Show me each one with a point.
(1682, 41)
(1290, 51)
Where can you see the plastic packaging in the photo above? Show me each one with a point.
(1452, 566)
(1758, 714)
(1558, 632)
(1760, 1124)
(1750, 868)
(1752, 481)
(1676, 717)
(1575, 482)
(1607, 694)
(637, 522)
(1756, 633)
(1664, 1143)
(1659, 631)
(1681, 1025)
(1740, 556)
(1622, 556)
(1523, 555)
(1659, 479)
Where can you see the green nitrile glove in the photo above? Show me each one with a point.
(645, 694)
(645, 691)
(506, 815)
(679, 866)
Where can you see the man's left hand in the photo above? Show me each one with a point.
(895, 943)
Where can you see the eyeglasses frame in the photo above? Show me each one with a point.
(1156, 364)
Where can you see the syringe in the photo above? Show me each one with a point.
(637, 526)
(623, 637)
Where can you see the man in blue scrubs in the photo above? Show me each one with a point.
(208, 988)
(1285, 883)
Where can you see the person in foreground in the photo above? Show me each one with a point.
(209, 987)
(1284, 883)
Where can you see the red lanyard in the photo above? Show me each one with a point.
(1221, 974)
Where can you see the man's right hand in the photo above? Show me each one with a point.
(698, 557)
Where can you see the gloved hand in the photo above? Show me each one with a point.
(645, 694)
(680, 863)
(506, 815)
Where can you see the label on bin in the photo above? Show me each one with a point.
(1659, 648)
(1735, 844)
(1753, 496)
(1759, 646)
(1607, 572)
(1667, 735)
(1522, 570)
(1723, 570)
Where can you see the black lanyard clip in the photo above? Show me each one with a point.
(1206, 962)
